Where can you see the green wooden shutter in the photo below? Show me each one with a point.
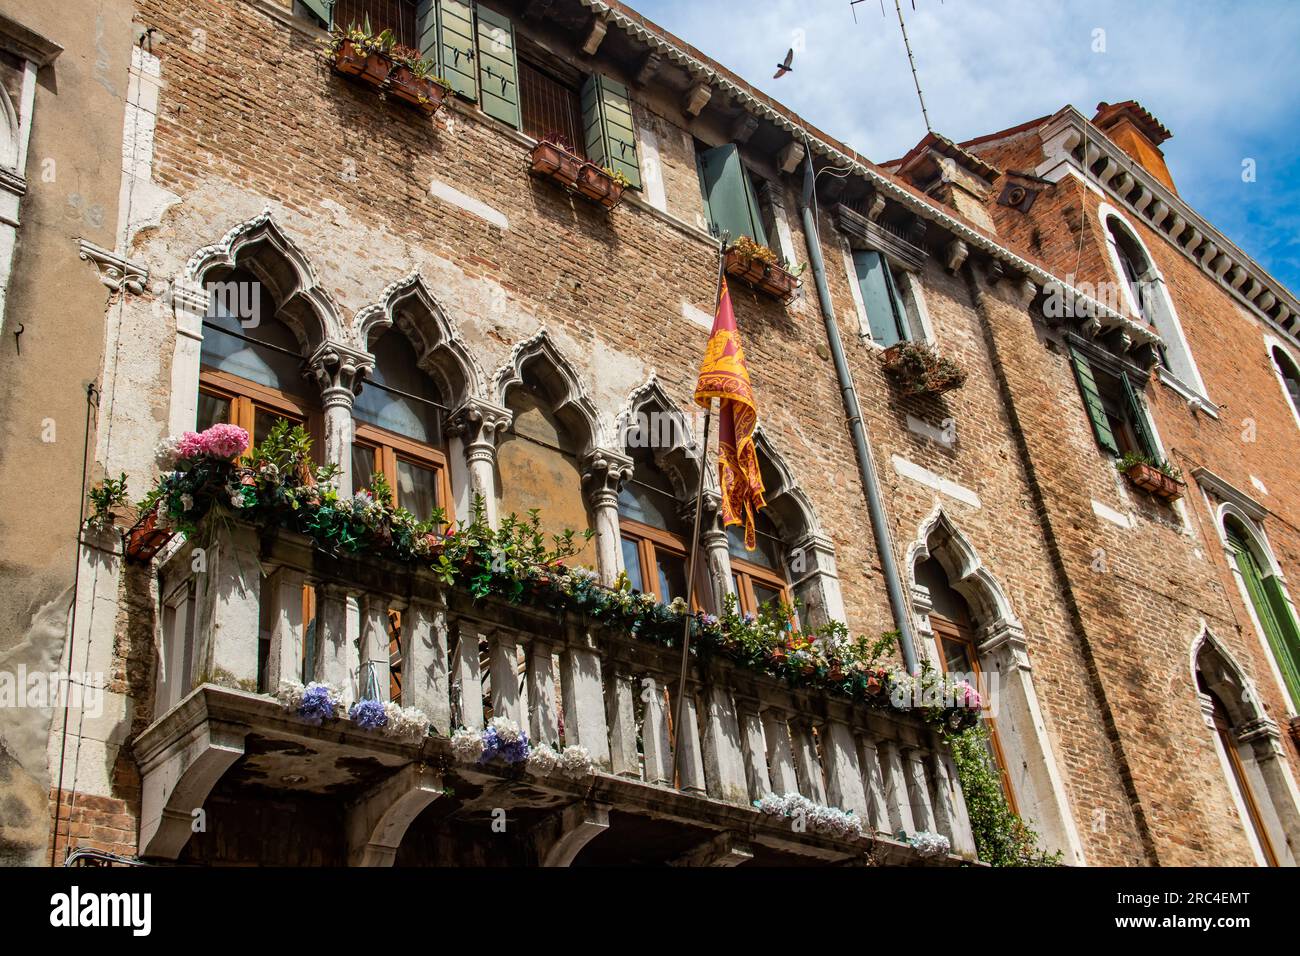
(426, 29)
(885, 315)
(608, 130)
(1138, 419)
(498, 73)
(1092, 402)
(1272, 610)
(456, 46)
(729, 196)
(323, 10)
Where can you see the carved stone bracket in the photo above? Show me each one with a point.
(114, 271)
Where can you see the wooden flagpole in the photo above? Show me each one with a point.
(695, 547)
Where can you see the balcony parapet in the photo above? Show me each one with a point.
(565, 678)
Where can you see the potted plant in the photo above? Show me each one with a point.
(1156, 476)
(359, 52)
(762, 269)
(108, 500)
(919, 370)
(144, 539)
(413, 80)
(602, 184)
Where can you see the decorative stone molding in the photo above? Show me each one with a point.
(744, 128)
(1228, 493)
(560, 381)
(790, 156)
(603, 474)
(117, 273)
(340, 370)
(675, 449)
(440, 350)
(479, 423)
(954, 255)
(595, 34)
(697, 97)
(261, 245)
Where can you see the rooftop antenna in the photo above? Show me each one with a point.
(907, 44)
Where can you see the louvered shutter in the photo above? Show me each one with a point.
(498, 73)
(322, 10)
(1092, 402)
(456, 46)
(885, 315)
(1138, 419)
(608, 129)
(729, 195)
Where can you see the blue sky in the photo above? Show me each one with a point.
(1224, 78)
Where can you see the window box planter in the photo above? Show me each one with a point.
(595, 183)
(1151, 479)
(144, 539)
(762, 274)
(373, 67)
(919, 370)
(425, 93)
(552, 161)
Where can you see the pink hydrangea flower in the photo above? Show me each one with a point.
(220, 441)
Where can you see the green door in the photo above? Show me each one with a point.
(1272, 609)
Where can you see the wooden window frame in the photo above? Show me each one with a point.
(945, 628)
(649, 541)
(1255, 819)
(745, 573)
(248, 398)
(389, 448)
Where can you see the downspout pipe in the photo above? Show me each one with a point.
(857, 429)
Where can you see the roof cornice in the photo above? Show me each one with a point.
(1125, 180)
(1101, 318)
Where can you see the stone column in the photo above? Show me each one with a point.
(603, 475)
(425, 677)
(340, 372)
(477, 425)
(189, 305)
(228, 609)
(811, 562)
(714, 551)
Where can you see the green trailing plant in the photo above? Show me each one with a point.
(206, 483)
(1002, 838)
(616, 176)
(109, 494)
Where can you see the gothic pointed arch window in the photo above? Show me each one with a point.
(250, 364)
(1289, 374)
(1146, 297)
(1249, 750)
(398, 429)
(654, 536)
(1269, 602)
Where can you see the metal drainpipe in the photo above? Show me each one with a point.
(857, 428)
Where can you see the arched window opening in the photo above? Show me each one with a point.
(1135, 265)
(759, 575)
(251, 362)
(398, 434)
(1290, 376)
(957, 652)
(1269, 600)
(539, 466)
(1226, 741)
(1248, 745)
(653, 535)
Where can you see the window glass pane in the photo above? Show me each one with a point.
(213, 410)
(632, 563)
(363, 466)
(672, 575)
(956, 656)
(264, 420)
(399, 396)
(417, 488)
(767, 550)
(763, 594)
(242, 336)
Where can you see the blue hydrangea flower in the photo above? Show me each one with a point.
(317, 705)
(368, 714)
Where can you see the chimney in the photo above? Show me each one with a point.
(940, 168)
(1130, 127)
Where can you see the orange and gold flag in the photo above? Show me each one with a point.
(724, 376)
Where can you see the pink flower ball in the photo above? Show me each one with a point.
(220, 441)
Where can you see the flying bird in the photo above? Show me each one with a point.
(783, 68)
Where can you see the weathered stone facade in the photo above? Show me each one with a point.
(1088, 600)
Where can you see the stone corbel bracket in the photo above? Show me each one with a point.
(114, 271)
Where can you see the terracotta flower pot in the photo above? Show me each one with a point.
(594, 183)
(424, 93)
(145, 538)
(349, 60)
(1152, 479)
(767, 277)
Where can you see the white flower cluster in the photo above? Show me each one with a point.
(467, 745)
(574, 761)
(508, 732)
(819, 818)
(928, 844)
(405, 723)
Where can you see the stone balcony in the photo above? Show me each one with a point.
(231, 628)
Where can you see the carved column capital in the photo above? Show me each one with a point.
(1005, 638)
(479, 423)
(340, 371)
(603, 474)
